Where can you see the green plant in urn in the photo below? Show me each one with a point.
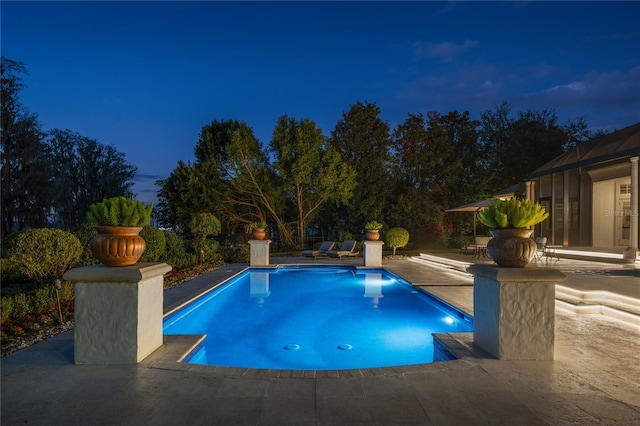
(510, 220)
(512, 214)
(373, 230)
(118, 221)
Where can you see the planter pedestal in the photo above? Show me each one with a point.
(259, 255)
(372, 253)
(118, 312)
(514, 311)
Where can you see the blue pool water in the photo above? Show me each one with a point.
(316, 318)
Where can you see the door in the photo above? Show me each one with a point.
(623, 214)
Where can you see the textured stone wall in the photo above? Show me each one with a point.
(373, 253)
(259, 252)
(117, 322)
(514, 311)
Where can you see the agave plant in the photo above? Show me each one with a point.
(373, 225)
(261, 224)
(120, 211)
(512, 214)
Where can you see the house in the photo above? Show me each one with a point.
(591, 192)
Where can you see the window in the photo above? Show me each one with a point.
(625, 188)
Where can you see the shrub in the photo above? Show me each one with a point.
(206, 250)
(45, 254)
(175, 253)
(25, 306)
(85, 233)
(344, 235)
(6, 308)
(10, 271)
(20, 305)
(156, 243)
(236, 253)
(397, 237)
(7, 244)
(203, 225)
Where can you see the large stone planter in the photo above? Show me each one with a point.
(373, 234)
(512, 248)
(259, 234)
(118, 245)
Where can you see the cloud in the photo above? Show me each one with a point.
(602, 91)
(445, 51)
(139, 177)
(465, 87)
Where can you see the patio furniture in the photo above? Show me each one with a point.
(541, 244)
(348, 249)
(320, 251)
(480, 247)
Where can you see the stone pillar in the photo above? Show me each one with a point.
(631, 253)
(372, 253)
(259, 252)
(514, 311)
(118, 312)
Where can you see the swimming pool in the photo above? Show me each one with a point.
(316, 318)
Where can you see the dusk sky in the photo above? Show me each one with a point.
(146, 76)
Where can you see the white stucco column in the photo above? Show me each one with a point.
(631, 253)
(514, 311)
(118, 312)
(259, 255)
(372, 253)
(528, 194)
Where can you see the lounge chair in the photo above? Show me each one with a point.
(321, 251)
(346, 250)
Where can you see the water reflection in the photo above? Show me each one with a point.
(259, 286)
(373, 288)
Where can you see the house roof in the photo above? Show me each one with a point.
(613, 147)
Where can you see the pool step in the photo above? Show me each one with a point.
(579, 302)
(622, 308)
(442, 262)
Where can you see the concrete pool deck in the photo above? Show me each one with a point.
(594, 379)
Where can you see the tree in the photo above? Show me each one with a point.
(24, 166)
(362, 138)
(189, 189)
(514, 145)
(257, 183)
(84, 172)
(310, 173)
(214, 139)
(204, 225)
(210, 184)
(397, 237)
(426, 165)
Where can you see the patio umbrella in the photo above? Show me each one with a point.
(475, 208)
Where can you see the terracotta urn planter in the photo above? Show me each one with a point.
(373, 234)
(118, 245)
(511, 247)
(259, 234)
